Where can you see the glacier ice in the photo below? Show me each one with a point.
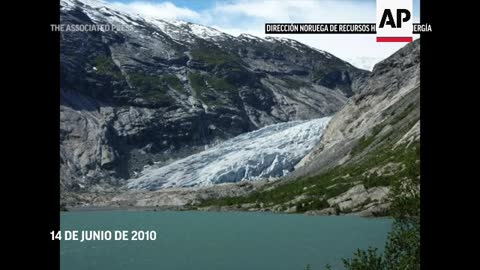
(269, 152)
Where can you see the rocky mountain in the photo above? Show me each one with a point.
(369, 147)
(386, 108)
(155, 91)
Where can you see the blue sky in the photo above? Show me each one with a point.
(249, 16)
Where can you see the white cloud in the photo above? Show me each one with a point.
(265, 10)
(364, 62)
(297, 11)
(166, 10)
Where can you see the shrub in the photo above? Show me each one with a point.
(220, 84)
(173, 82)
(215, 57)
(365, 260)
(106, 66)
(197, 82)
(150, 87)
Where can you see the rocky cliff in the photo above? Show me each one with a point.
(387, 108)
(161, 90)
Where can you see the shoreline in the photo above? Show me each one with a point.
(183, 209)
(121, 208)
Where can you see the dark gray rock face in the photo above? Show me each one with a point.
(165, 89)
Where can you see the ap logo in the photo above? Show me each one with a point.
(394, 21)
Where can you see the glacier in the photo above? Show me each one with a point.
(267, 153)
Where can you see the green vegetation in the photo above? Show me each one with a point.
(106, 66)
(173, 82)
(363, 143)
(411, 107)
(366, 140)
(217, 86)
(197, 82)
(155, 88)
(220, 84)
(216, 57)
(364, 260)
(311, 204)
(336, 181)
(151, 87)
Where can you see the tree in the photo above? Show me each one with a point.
(402, 251)
(365, 260)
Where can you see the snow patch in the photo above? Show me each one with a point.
(249, 37)
(204, 32)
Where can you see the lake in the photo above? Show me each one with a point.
(219, 241)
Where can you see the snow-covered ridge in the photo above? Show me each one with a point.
(92, 3)
(180, 31)
(269, 152)
(176, 29)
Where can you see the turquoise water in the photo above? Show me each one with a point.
(219, 241)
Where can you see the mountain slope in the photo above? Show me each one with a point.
(369, 146)
(164, 89)
(388, 104)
